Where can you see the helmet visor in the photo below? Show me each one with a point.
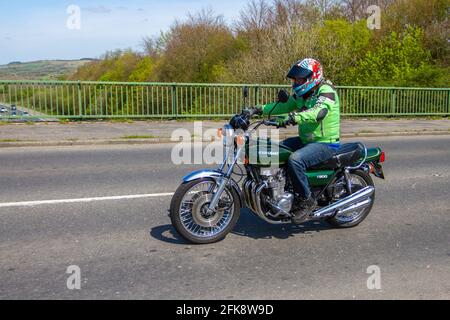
(299, 72)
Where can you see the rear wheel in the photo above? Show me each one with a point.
(189, 216)
(359, 180)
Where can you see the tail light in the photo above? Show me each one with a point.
(382, 157)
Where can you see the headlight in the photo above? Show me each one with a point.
(228, 134)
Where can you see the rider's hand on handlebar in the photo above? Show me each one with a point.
(284, 121)
(271, 122)
(281, 122)
(291, 121)
(257, 110)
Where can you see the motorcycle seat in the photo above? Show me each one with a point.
(347, 155)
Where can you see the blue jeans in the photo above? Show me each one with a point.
(306, 156)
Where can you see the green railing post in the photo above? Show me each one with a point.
(394, 101)
(448, 102)
(255, 102)
(174, 100)
(244, 95)
(80, 104)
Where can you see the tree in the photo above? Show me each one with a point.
(154, 46)
(341, 45)
(397, 58)
(144, 71)
(429, 15)
(122, 67)
(355, 10)
(197, 50)
(275, 37)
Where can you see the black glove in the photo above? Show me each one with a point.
(285, 121)
(291, 120)
(281, 121)
(257, 110)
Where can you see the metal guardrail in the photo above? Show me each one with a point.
(88, 99)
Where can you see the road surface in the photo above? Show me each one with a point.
(126, 248)
(20, 114)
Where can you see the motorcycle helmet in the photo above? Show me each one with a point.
(306, 74)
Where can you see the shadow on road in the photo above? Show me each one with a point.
(253, 227)
(248, 226)
(167, 233)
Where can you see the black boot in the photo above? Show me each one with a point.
(302, 209)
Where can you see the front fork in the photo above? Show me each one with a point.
(224, 180)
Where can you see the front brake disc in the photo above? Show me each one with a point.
(199, 212)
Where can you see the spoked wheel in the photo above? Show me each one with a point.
(189, 212)
(359, 180)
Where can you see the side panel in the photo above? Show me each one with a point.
(319, 178)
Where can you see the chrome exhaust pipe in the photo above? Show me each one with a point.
(250, 189)
(280, 212)
(359, 205)
(257, 194)
(252, 192)
(357, 200)
(259, 210)
(246, 187)
(253, 188)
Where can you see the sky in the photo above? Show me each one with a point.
(38, 30)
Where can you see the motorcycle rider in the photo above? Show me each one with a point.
(314, 106)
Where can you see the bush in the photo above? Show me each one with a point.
(398, 59)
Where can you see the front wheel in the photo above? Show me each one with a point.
(189, 216)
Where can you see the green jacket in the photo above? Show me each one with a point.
(318, 117)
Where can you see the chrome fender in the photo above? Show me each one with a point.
(216, 175)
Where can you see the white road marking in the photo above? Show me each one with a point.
(36, 203)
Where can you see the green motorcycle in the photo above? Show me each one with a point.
(207, 205)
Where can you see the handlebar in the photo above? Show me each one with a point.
(242, 120)
(270, 122)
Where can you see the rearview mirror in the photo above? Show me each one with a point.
(283, 96)
(245, 92)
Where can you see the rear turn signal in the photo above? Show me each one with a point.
(382, 157)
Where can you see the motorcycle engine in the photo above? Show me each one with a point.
(280, 201)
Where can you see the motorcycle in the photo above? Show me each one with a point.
(206, 206)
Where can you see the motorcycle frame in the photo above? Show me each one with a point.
(223, 177)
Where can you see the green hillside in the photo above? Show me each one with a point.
(40, 70)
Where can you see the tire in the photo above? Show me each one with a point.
(175, 215)
(336, 222)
